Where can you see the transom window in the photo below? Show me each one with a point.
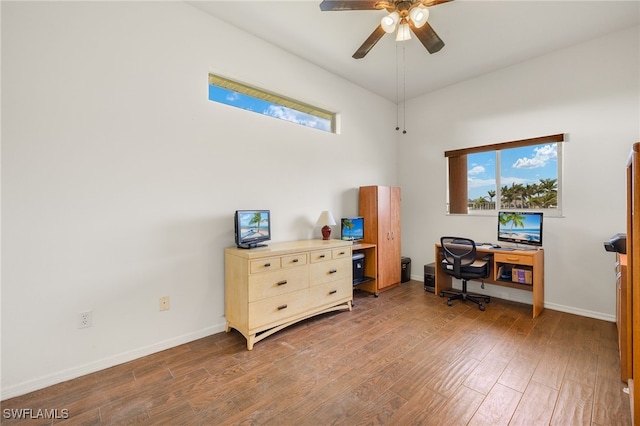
(524, 175)
(229, 92)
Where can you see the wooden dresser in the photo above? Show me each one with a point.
(270, 288)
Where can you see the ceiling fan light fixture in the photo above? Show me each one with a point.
(404, 33)
(389, 22)
(419, 15)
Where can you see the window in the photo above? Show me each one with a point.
(523, 175)
(240, 95)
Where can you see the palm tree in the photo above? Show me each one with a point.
(479, 202)
(507, 196)
(256, 220)
(549, 185)
(491, 194)
(528, 192)
(346, 223)
(515, 219)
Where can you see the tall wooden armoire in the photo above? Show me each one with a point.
(633, 276)
(380, 207)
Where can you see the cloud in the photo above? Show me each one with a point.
(541, 157)
(476, 170)
(298, 117)
(473, 183)
(232, 96)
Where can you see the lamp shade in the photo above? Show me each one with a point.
(404, 33)
(389, 22)
(419, 15)
(326, 219)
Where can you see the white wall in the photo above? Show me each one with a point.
(590, 92)
(120, 178)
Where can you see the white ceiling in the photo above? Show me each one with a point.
(480, 36)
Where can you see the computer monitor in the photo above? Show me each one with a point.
(520, 227)
(352, 228)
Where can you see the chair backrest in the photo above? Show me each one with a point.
(458, 252)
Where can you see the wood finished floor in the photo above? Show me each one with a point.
(400, 359)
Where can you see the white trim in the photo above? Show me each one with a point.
(523, 296)
(92, 367)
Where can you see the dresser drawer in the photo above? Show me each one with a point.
(276, 309)
(513, 258)
(278, 282)
(332, 292)
(293, 260)
(333, 270)
(341, 252)
(320, 255)
(265, 264)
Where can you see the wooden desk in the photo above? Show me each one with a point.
(533, 259)
(370, 267)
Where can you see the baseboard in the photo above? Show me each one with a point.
(522, 296)
(92, 367)
(581, 312)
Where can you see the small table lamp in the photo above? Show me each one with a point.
(326, 220)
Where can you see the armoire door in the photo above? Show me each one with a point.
(380, 206)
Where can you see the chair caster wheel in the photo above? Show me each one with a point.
(448, 302)
(481, 307)
(441, 294)
(487, 300)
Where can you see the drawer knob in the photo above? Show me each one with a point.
(321, 256)
(333, 291)
(281, 307)
(266, 265)
(341, 253)
(295, 260)
(283, 282)
(333, 271)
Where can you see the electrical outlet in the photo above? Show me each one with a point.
(164, 303)
(85, 319)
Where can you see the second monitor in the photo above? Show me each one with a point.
(352, 228)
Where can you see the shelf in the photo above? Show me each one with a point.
(362, 281)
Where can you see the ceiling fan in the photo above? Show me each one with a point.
(404, 15)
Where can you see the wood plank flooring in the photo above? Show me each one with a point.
(404, 358)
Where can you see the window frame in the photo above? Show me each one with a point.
(275, 99)
(457, 168)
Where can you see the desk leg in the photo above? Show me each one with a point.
(442, 280)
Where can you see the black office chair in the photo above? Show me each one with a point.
(460, 261)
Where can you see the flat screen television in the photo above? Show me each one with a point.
(352, 228)
(520, 227)
(252, 227)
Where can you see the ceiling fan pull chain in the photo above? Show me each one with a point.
(404, 92)
(397, 96)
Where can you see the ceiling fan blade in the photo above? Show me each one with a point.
(337, 5)
(369, 43)
(427, 37)
(429, 3)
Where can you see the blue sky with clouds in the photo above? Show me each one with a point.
(525, 165)
(228, 97)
